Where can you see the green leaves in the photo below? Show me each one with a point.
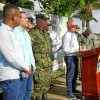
(61, 7)
(25, 4)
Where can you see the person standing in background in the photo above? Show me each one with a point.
(30, 24)
(25, 41)
(11, 57)
(52, 52)
(42, 51)
(86, 39)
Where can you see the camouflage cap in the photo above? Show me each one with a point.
(48, 23)
(42, 16)
(77, 27)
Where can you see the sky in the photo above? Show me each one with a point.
(95, 26)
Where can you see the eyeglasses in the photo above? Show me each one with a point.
(72, 26)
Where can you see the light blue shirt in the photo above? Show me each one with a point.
(11, 57)
(25, 41)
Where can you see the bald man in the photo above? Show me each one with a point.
(12, 61)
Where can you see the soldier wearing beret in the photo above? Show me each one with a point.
(42, 52)
(86, 39)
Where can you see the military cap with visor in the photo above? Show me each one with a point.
(42, 16)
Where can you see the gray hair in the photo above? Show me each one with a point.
(69, 21)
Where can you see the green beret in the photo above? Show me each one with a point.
(77, 27)
(42, 16)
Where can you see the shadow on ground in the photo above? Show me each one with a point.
(58, 92)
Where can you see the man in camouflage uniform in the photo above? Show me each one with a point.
(42, 52)
(86, 39)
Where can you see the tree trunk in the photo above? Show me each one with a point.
(87, 24)
(83, 25)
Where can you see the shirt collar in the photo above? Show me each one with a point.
(21, 29)
(71, 32)
(7, 27)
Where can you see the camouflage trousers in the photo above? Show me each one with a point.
(42, 80)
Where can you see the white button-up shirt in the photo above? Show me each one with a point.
(12, 60)
(70, 44)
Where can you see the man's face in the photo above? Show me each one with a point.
(86, 33)
(24, 20)
(30, 25)
(47, 28)
(44, 23)
(77, 30)
(72, 27)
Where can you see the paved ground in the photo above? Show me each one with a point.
(58, 92)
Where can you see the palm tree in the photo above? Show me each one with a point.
(85, 17)
(86, 13)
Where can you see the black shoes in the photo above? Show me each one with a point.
(77, 84)
(71, 96)
(52, 85)
(44, 96)
(76, 91)
(37, 98)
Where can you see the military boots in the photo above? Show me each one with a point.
(44, 96)
(37, 98)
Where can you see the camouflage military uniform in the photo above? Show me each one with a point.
(87, 41)
(42, 51)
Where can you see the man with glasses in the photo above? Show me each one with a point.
(70, 48)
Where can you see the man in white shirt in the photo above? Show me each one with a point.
(11, 57)
(70, 48)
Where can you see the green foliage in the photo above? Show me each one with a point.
(25, 4)
(57, 73)
(86, 13)
(61, 7)
(96, 5)
(21, 3)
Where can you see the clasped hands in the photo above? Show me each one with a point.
(28, 73)
(83, 48)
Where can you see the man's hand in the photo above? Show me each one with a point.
(28, 73)
(83, 47)
(33, 70)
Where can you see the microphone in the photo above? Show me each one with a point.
(93, 42)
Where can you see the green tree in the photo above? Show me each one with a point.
(21, 3)
(61, 7)
(86, 13)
